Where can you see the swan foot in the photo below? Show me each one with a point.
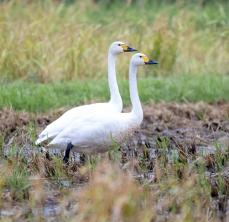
(67, 153)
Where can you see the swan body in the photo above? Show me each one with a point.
(114, 105)
(97, 132)
(58, 125)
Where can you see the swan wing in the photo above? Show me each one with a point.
(66, 119)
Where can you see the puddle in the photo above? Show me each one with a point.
(50, 209)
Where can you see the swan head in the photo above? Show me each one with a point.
(120, 47)
(140, 59)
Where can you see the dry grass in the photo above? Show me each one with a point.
(113, 195)
(176, 194)
(46, 41)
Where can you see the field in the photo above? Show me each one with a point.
(53, 56)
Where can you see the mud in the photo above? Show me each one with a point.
(188, 132)
(193, 128)
(207, 120)
(11, 121)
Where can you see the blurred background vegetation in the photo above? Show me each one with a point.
(47, 40)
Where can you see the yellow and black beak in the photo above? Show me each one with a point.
(126, 48)
(148, 61)
(129, 49)
(151, 62)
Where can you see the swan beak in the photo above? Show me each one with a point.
(151, 62)
(129, 49)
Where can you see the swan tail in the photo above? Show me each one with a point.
(44, 137)
(41, 140)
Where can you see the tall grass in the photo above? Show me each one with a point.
(47, 41)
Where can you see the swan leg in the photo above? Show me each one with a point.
(82, 158)
(67, 153)
(47, 156)
(46, 153)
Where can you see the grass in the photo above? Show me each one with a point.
(180, 191)
(14, 175)
(36, 97)
(46, 41)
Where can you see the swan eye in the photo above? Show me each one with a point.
(119, 44)
(140, 56)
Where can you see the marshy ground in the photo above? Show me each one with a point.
(174, 168)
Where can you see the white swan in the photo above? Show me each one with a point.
(97, 132)
(114, 105)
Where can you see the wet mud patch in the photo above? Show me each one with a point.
(208, 121)
(189, 128)
(184, 134)
(193, 127)
(12, 121)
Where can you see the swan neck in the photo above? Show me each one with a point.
(115, 97)
(134, 97)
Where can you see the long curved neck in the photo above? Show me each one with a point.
(134, 97)
(115, 98)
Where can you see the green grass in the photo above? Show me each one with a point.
(14, 174)
(18, 183)
(37, 97)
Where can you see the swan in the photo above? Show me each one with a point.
(96, 133)
(114, 105)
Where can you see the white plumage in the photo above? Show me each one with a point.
(96, 132)
(78, 113)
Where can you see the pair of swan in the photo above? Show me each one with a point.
(92, 128)
(114, 105)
